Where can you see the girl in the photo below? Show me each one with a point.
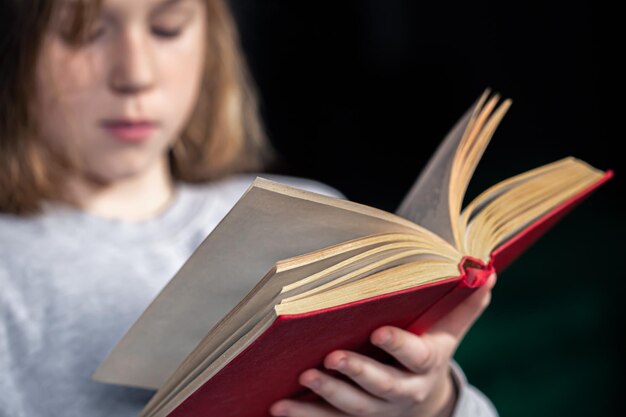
(125, 130)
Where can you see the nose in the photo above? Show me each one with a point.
(133, 65)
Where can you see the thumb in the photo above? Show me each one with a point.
(458, 321)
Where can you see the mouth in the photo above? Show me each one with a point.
(129, 130)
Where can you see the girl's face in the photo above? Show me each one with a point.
(120, 99)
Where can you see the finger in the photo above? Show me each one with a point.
(414, 352)
(456, 323)
(291, 408)
(342, 395)
(381, 380)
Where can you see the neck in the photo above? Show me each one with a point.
(139, 197)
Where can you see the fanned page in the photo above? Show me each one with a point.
(502, 211)
(270, 222)
(511, 206)
(514, 245)
(428, 202)
(476, 137)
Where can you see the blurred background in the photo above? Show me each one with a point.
(358, 94)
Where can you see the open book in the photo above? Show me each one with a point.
(289, 275)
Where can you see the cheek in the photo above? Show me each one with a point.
(72, 76)
(67, 93)
(182, 83)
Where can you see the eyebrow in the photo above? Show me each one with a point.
(165, 5)
(159, 7)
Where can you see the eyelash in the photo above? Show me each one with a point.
(160, 32)
(166, 33)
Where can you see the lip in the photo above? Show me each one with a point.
(130, 130)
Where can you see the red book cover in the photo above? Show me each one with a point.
(268, 369)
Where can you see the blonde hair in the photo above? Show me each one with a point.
(224, 134)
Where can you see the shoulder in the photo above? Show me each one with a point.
(17, 231)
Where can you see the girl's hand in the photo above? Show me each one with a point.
(425, 389)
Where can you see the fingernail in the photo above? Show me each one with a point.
(314, 383)
(383, 337)
(278, 410)
(341, 364)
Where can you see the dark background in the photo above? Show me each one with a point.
(358, 94)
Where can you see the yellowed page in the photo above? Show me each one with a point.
(427, 203)
(514, 210)
(467, 158)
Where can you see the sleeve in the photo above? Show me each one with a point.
(470, 401)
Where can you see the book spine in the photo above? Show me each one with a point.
(474, 274)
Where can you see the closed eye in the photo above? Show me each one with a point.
(167, 32)
(95, 34)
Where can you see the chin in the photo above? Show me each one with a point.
(122, 170)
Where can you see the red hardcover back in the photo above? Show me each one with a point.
(268, 369)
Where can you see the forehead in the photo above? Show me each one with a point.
(124, 6)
